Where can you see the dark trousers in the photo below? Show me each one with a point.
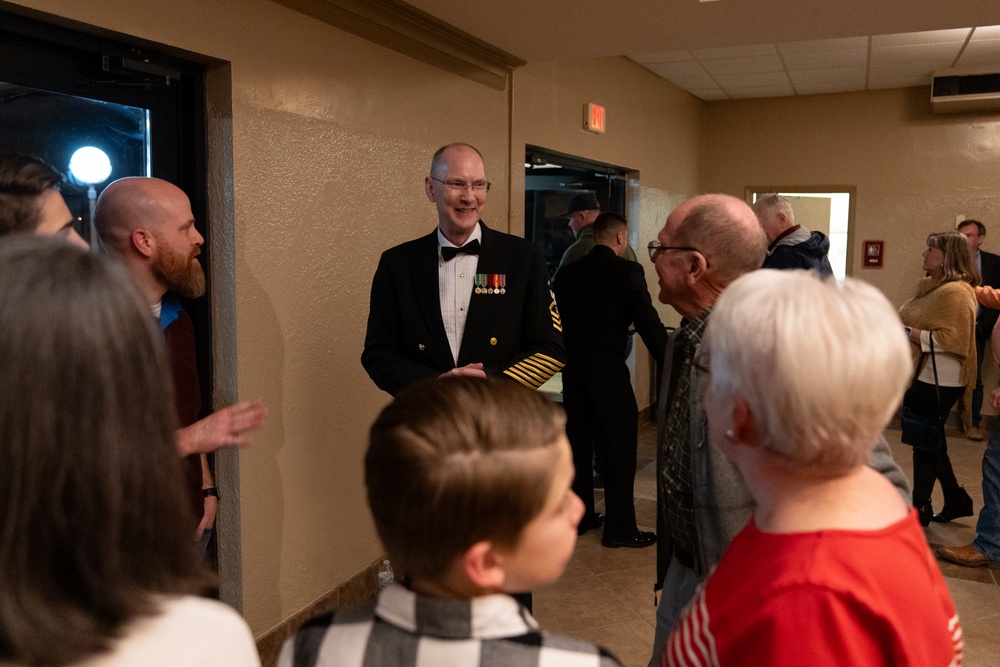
(929, 467)
(977, 392)
(599, 402)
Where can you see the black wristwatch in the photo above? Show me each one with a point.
(211, 491)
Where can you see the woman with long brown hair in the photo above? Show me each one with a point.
(97, 567)
(940, 322)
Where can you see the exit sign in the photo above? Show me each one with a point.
(593, 118)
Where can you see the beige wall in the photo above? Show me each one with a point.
(914, 171)
(331, 138)
(319, 142)
(654, 129)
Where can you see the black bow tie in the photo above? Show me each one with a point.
(470, 248)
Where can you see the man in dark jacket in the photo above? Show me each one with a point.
(986, 318)
(464, 299)
(599, 297)
(790, 246)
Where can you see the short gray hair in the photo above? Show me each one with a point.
(821, 366)
(773, 202)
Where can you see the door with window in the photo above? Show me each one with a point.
(98, 109)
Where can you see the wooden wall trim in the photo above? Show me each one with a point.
(404, 28)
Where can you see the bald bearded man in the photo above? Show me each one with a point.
(148, 225)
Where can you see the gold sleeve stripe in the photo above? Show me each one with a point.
(527, 371)
(527, 383)
(541, 368)
(556, 319)
(547, 360)
(535, 370)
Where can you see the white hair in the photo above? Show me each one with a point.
(773, 203)
(821, 366)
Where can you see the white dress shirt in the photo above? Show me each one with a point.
(455, 282)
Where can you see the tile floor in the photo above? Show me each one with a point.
(606, 595)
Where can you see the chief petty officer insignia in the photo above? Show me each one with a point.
(491, 283)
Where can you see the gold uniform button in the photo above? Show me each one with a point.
(493, 341)
(421, 347)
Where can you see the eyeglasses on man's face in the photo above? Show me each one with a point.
(478, 187)
(654, 248)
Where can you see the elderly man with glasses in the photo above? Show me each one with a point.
(464, 299)
(702, 503)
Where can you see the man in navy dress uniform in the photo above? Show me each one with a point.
(464, 299)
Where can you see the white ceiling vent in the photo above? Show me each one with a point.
(955, 90)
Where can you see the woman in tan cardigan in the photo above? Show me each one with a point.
(945, 309)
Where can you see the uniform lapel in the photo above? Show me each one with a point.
(425, 285)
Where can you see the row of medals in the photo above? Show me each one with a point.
(491, 283)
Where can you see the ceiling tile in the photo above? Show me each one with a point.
(824, 59)
(901, 71)
(743, 65)
(899, 82)
(710, 94)
(691, 82)
(662, 57)
(847, 75)
(824, 45)
(818, 87)
(930, 37)
(914, 53)
(752, 79)
(983, 52)
(765, 91)
(734, 52)
(826, 65)
(986, 32)
(668, 70)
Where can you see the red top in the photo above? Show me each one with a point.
(832, 597)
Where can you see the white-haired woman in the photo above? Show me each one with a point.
(833, 567)
(942, 312)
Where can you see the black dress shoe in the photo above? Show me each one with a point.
(595, 520)
(925, 513)
(959, 505)
(637, 541)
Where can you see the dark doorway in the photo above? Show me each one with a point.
(550, 179)
(63, 89)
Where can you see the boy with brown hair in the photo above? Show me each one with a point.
(469, 485)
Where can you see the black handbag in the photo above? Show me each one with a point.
(923, 432)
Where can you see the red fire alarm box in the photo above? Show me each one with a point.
(874, 254)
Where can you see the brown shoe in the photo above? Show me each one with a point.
(975, 433)
(966, 555)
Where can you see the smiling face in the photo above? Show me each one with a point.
(458, 210)
(54, 219)
(546, 544)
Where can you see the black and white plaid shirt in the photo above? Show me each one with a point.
(403, 629)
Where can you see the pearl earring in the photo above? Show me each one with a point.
(730, 434)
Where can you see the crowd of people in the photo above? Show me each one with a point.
(786, 533)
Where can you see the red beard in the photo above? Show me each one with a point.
(182, 273)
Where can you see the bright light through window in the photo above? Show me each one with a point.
(90, 165)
